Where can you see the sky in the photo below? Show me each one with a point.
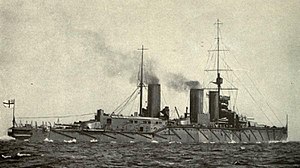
(63, 58)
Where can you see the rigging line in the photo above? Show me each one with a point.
(212, 56)
(227, 73)
(128, 102)
(221, 40)
(206, 66)
(130, 97)
(63, 116)
(234, 101)
(163, 95)
(215, 65)
(179, 112)
(131, 109)
(209, 59)
(125, 100)
(229, 82)
(124, 104)
(264, 98)
(171, 114)
(228, 67)
(137, 107)
(237, 94)
(253, 83)
(121, 105)
(225, 46)
(253, 99)
(132, 100)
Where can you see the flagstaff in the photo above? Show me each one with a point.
(14, 119)
(11, 104)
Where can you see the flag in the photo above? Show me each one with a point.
(9, 103)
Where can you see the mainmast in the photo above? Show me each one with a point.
(141, 85)
(219, 80)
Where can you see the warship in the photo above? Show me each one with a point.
(219, 124)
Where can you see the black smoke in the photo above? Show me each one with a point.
(116, 63)
(180, 83)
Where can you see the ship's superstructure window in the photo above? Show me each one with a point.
(131, 121)
(149, 122)
(135, 122)
(108, 121)
(145, 122)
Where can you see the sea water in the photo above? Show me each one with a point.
(141, 154)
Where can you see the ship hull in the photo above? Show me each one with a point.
(21, 133)
(166, 134)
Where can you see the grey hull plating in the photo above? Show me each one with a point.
(167, 134)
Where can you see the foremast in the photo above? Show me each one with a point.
(141, 84)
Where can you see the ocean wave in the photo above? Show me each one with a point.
(142, 154)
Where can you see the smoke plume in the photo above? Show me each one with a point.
(118, 63)
(180, 83)
(149, 74)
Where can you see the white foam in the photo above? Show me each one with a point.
(232, 142)
(26, 140)
(93, 140)
(172, 142)
(7, 138)
(275, 141)
(243, 148)
(258, 142)
(153, 141)
(5, 157)
(170, 163)
(113, 142)
(48, 140)
(23, 154)
(70, 141)
(131, 142)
